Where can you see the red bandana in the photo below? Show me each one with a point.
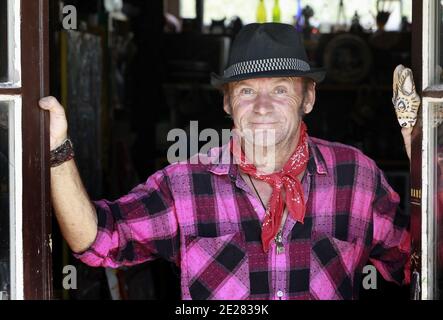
(283, 181)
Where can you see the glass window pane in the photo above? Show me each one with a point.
(3, 41)
(187, 9)
(4, 202)
(326, 12)
(437, 159)
(437, 75)
(436, 68)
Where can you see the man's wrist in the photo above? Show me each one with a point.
(58, 143)
(62, 153)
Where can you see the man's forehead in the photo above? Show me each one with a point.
(270, 80)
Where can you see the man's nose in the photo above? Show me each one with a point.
(263, 103)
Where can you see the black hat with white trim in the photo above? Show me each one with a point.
(267, 50)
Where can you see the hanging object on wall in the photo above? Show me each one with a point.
(341, 18)
(298, 17)
(382, 19)
(347, 58)
(218, 26)
(235, 26)
(384, 11)
(307, 13)
(356, 26)
(261, 12)
(276, 12)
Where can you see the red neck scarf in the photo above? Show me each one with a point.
(283, 182)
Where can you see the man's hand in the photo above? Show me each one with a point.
(58, 127)
(406, 103)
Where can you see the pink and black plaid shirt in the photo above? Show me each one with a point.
(206, 219)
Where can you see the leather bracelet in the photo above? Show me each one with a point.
(62, 153)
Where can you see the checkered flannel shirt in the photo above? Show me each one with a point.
(205, 219)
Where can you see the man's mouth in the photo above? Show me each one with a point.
(263, 123)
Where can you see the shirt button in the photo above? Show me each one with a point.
(279, 293)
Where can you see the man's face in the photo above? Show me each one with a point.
(268, 111)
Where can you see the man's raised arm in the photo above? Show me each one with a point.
(74, 210)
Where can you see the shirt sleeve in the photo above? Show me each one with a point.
(391, 243)
(136, 228)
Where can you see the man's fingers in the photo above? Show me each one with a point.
(51, 104)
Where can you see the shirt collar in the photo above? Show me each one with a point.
(221, 159)
(316, 163)
(222, 162)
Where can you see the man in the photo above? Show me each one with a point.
(273, 214)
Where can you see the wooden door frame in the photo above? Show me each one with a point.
(416, 147)
(37, 268)
(35, 276)
(36, 206)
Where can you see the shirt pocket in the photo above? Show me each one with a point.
(332, 268)
(217, 267)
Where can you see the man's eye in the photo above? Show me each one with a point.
(280, 90)
(247, 91)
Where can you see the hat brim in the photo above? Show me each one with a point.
(316, 75)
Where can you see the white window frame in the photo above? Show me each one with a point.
(428, 208)
(14, 103)
(14, 47)
(428, 203)
(15, 195)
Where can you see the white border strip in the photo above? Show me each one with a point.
(426, 43)
(425, 150)
(425, 205)
(424, 157)
(15, 195)
(14, 45)
(15, 49)
(429, 205)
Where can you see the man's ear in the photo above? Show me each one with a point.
(227, 103)
(309, 98)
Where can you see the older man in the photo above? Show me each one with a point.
(276, 214)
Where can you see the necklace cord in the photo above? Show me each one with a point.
(258, 194)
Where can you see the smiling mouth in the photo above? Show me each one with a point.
(258, 123)
(264, 124)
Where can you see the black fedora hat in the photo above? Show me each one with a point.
(267, 50)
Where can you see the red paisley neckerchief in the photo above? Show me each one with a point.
(282, 182)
